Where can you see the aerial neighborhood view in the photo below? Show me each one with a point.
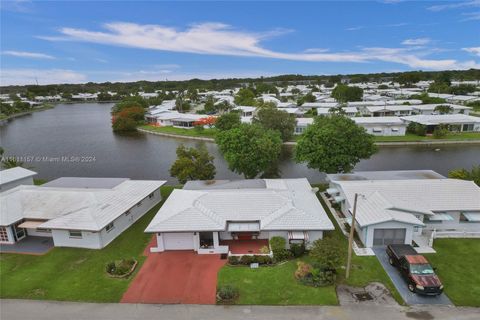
(240, 160)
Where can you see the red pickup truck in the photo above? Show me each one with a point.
(415, 269)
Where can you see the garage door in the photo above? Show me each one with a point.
(178, 241)
(383, 237)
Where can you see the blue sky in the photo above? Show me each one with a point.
(72, 42)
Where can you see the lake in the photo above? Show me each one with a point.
(76, 140)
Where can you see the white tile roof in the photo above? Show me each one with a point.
(73, 208)
(285, 204)
(442, 119)
(423, 196)
(378, 120)
(14, 174)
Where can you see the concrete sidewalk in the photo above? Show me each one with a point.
(45, 310)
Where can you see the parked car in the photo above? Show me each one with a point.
(415, 269)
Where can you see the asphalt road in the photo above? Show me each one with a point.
(410, 298)
(44, 310)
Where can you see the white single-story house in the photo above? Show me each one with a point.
(219, 216)
(399, 208)
(175, 119)
(76, 212)
(10, 178)
(246, 111)
(428, 109)
(382, 126)
(456, 122)
(390, 110)
(302, 124)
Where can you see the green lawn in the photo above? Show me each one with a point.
(277, 285)
(411, 137)
(75, 274)
(457, 262)
(206, 133)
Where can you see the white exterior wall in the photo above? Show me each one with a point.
(386, 130)
(454, 225)
(13, 184)
(368, 231)
(123, 222)
(89, 240)
(313, 236)
(98, 240)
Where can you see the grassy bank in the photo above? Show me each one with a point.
(75, 274)
(19, 114)
(205, 133)
(463, 136)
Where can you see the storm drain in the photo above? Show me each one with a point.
(364, 296)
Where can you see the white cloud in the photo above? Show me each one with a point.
(455, 5)
(355, 28)
(25, 54)
(416, 42)
(21, 6)
(222, 39)
(469, 16)
(473, 50)
(43, 76)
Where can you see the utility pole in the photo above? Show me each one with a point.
(350, 238)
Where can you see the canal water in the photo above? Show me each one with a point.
(76, 140)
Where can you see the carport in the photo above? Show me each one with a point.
(401, 286)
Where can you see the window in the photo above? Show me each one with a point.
(109, 227)
(151, 195)
(3, 234)
(468, 127)
(75, 234)
(44, 230)
(139, 204)
(127, 213)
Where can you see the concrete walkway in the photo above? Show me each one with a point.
(29, 245)
(43, 310)
(409, 297)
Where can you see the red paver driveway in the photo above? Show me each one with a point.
(176, 277)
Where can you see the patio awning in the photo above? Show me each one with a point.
(440, 217)
(29, 224)
(243, 226)
(471, 216)
(332, 191)
(298, 235)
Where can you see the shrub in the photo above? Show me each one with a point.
(327, 253)
(233, 260)
(120, 267)
(247, 259)
(264, 260)
(199, 128)
(440, 131)
(265, 250)
(303, 269)
(277, 243)
(227, 292)
(282, 255)
(416, 128)
(297, 249)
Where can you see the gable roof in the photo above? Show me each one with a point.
(14, 174)
(73, 208)
(283, 204)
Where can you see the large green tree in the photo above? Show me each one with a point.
(250, 149)
(228, 121)
(334, 144)
(275, 119)
(245, 97)
(193, 164)
(344, 93)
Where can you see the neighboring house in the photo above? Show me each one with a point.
(76, 212)
(174, 119)
(428, 109)
(401, 207)
(302, 124)
(246, 111)
(455, 122)
(382, 126)
(386, 111)
(210, 216)
(10, 178)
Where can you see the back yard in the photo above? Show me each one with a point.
(75, 274)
